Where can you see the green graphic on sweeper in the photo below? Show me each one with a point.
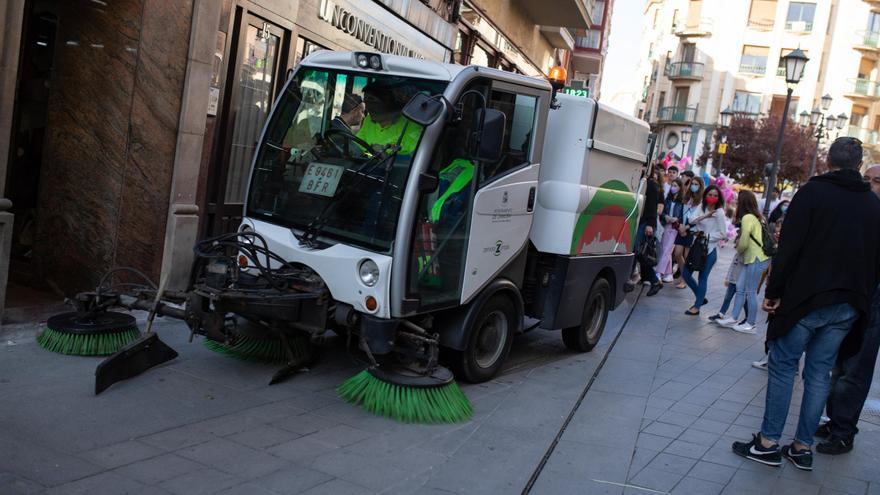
(605, 217)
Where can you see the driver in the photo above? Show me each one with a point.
(385, 122)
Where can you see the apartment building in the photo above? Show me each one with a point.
(703, 56)
(590, 49)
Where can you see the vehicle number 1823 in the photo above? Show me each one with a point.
(321, 179)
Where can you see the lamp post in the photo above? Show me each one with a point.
(818, 121)
(726, 118)
(794, 63)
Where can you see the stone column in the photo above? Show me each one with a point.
(183, 215)
(11, 18)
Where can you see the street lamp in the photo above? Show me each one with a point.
(841, 121)
(685, 136)
(804, 120)
(726, 118)
(794, 63)
(826, 102)
(824, 125)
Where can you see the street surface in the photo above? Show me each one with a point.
(659, 417)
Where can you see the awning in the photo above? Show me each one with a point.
(565, 13)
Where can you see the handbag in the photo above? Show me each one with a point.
(696, 259)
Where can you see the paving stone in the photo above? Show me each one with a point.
(236, 459)
(691, 409)
(99, 484)
(655, 479)
(686, 449)
(121, 453)
(246, 489)
(677, 418)
(200, 482)
(791, 487)
(16, 485)
(719, 415)
(652, 442)
(672, 463)
(337, 487)
(158, 469)
(699, 437)
(292, 479)
(845, 485)
(710, 426)
(695, 486)
(304, 424)
(664, 430)
(263, 436)
(710, 471)
(178, 438)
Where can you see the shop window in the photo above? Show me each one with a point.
(519, 111)
(800, 17)
(754, 59)
(305, 47)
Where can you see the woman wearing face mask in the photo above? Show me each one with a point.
(693, 198)
(673, 215)
(711, 223)
(777, 214)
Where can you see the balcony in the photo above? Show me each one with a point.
(863, 90)
(677, 114)
(692, 71)
(868, 42)
(558, 37)
(753, 69)
(566, 13)
(761, 24)
(799, 26)
(866, 136)
(700, 29)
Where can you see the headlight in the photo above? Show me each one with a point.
(362, 61)
(375, 62)
(369, 272)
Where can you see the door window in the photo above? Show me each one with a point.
(519, 111)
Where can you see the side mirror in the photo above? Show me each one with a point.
(428, 181)
(423, 109)
(487, 135)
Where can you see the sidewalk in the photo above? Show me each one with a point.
(673, 394)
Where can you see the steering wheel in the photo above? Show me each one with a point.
(349, 137)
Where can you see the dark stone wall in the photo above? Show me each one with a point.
(113, 115)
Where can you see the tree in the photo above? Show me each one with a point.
(751, 145)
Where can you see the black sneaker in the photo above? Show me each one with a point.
(802, 459)
(715, 317)
(835, 446)
(755, 451)
(823, 431)
(655, 288)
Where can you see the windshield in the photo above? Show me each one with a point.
(336, 155)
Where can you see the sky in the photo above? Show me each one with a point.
(621, 87)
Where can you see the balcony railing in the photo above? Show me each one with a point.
(759, 70)
(866, 136)
(701, 28)
(799, 26)
(868, 39)
(864, 88)
(684, 70)
(677, 114)
(761, 24)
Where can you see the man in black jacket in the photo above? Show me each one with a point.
(818, 297)
(647, 221)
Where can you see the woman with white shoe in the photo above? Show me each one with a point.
(750, 249)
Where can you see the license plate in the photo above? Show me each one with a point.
(321, 179)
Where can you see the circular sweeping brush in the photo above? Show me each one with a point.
(262, 347)
(100, 334)
(403, 395)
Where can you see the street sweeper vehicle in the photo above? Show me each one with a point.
(421, 211)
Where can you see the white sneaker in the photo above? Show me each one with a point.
(744, 328)
(761, 365)
(727, 322)
(668, 279)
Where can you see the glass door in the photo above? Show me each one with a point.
(252, 83)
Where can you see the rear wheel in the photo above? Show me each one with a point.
(584, 337)
(489, 341)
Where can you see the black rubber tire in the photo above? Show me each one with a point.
(584, 337)
(466, 363)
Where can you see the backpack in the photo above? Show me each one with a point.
(768, 240)
(699, 252)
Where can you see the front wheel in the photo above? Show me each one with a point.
(489, 341)
(584, 337)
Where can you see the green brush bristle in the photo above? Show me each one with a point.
(85, 344)
(262, 350)
(444, 404)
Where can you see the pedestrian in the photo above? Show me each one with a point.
(693, 200)
(673, 215)
(750, 247)
(646, 227)
(730, 283)
(818, 295)
(671, 177)
(711, 226)
(851, 378)
(778, 212)
(647, 260)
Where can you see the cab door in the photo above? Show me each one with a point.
(505, 199)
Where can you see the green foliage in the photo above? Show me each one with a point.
(444, 404)
(85, 344)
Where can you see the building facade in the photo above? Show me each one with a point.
(591, 47)
(703, 56)
(129, 126)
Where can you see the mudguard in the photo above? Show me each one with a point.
(454, 325)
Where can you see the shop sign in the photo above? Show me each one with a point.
(355, 25)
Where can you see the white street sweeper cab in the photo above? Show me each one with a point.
(466, 199)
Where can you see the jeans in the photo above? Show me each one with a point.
(851, 380)
(819, 333)
(728, 298)
(747, 288)
(703, 286)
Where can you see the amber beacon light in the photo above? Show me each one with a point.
(557, 77)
